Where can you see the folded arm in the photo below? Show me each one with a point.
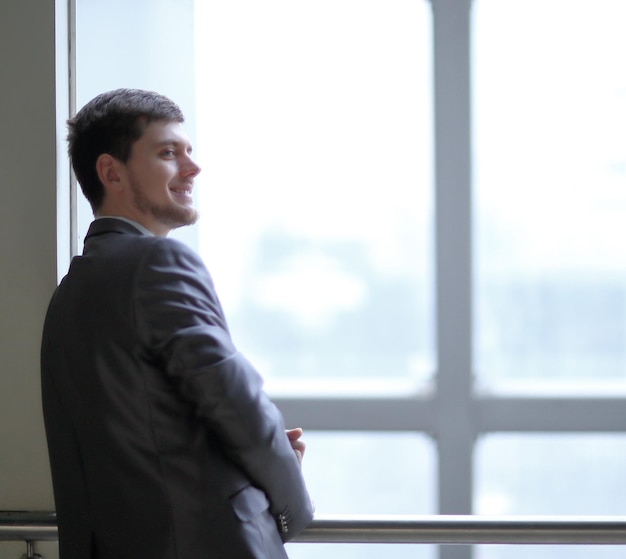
(183, 324)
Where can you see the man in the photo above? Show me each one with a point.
(162, 442)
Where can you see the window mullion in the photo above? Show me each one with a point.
(454, 430)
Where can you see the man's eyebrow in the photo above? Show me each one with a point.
(173, 142)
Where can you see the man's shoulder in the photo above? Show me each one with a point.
(117, 233)
(168, 245)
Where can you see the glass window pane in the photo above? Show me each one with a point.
(535, 474)
(550, 169)
(315, 125)
(369, 473)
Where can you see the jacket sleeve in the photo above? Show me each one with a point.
(180, 321)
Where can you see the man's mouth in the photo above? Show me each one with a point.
(182, 194)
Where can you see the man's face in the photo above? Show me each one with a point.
(159, 175)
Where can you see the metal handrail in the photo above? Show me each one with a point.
(444, 529)
(28, 526)
(440, 529)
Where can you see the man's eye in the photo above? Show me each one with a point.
(168, 153)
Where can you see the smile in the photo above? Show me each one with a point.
(181, 189)
(182, 194)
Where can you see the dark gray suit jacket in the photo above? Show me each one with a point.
(162, 442)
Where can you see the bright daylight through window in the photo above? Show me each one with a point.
(550, 169)
(316, 192)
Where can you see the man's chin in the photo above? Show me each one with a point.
(187, 217)
(175, 217)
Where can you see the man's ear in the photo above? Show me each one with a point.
(109, 172)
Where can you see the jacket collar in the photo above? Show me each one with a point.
(110, 224)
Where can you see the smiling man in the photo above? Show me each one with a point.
(161, 439)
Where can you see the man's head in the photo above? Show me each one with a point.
(132, 158)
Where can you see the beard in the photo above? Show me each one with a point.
(171, 215)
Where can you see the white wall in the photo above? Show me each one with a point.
(27, 249)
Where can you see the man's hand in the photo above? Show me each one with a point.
(298, 446)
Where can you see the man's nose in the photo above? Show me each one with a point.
(191, 168)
